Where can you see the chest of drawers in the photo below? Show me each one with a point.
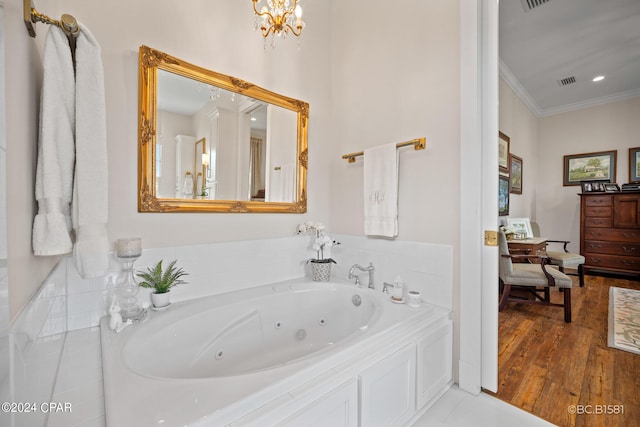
(610, 232)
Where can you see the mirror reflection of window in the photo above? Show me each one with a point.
(256, 169)
(158, 166)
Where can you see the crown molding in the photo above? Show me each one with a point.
(520, 91)
(617, 97)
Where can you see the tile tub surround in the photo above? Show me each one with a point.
(423, 267)
(66, 302)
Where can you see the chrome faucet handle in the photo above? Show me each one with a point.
(352, 275)
(386, 286)
(371, 269)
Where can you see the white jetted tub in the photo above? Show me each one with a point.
(213, 360)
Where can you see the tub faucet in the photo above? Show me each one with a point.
(370, 269)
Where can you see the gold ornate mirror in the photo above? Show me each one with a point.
(209, 142)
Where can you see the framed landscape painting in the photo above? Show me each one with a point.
(634, 164)
(503, 195)
(516, 174)
(600, 166)
(503, 152)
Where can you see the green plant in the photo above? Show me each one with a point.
(162, 281)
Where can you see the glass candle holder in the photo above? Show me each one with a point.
(128, 250)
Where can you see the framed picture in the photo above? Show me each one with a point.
(600, 166)
(521, 226)
(503, 195)
(503, 152)
(516, 174)
(634, 164)
(611, 187)
(594, 186)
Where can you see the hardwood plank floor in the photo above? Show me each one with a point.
(554, 369)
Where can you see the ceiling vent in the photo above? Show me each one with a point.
(567, 81)
(532, 4)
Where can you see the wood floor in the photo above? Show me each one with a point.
(547, 365)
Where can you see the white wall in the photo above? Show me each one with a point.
(395, 77)
(613, 126)
(521, 126)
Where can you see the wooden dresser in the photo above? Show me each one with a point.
(610, 232)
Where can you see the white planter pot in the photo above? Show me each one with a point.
(320, 270)
(160, 300)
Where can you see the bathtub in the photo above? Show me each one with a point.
(213, 360)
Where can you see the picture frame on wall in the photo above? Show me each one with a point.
(503, 152)
(634, 164)
(598, 166)
(516, 174)
(503, 195)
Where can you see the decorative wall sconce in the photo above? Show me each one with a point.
(205, 164)
(279, 17)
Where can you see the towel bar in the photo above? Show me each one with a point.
(67, 23)
(418, 144)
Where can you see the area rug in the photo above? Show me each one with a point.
(624, 319)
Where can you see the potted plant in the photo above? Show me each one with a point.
(320, 266)
(161, 281)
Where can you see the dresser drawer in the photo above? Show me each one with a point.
(612, 261)
(601, 211)
(599, 201)
(612, 234)
(598, 222)
(612, 248)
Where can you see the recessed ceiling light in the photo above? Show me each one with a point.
(253, 119)
(598, 78)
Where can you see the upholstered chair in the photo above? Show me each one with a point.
(563, 259)
(534, 276)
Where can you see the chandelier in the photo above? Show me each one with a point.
(279, 17)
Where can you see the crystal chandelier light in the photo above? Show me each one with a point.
(279, 17)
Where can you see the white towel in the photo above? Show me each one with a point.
(381, 191)
(283, 184)
(288, 176)
(90, 193)
(54, 171)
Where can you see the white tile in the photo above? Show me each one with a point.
(78, 285)
(82, 320)
(96, 422)
(458, 408)
(150, 257)
(84, 392)
(80, 413)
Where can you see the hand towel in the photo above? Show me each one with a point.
(381, 191)
(283, 184)
(56, 156)
(288, 177)
(90, 193)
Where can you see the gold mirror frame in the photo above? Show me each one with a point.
(151, 61)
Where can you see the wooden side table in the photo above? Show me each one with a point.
(534, 246)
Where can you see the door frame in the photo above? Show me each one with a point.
(478, 362)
